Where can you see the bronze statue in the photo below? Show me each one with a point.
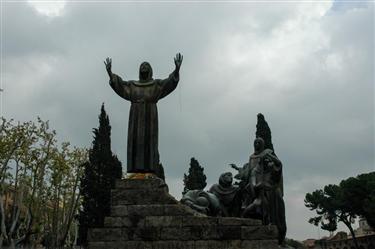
(202, 201)
(227, 193)
(262, 195)
(142, 150)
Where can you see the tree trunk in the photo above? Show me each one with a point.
(72, 209)
(348, 224)
(3, 231)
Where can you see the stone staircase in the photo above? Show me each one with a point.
(145, 216)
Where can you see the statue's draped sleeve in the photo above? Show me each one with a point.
(168, 85)
(121, 87)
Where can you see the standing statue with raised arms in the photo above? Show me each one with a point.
(142, 150)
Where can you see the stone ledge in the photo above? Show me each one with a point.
(172, 229)
(175, 244)
(259, 232)
(119, 210)
(232, 221)
(141, 197)
(153, 210)
(145, 216)
(164, 221)
(151, 183)
(117, 222)
(107, 234)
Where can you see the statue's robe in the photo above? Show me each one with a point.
(271, 180)
(142, 150)
(227, 194)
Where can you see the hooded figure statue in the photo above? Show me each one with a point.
(227, 194)
(142, 149)
(261, 180)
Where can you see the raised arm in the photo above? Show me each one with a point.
(108, 67)
(169, 84)
(121, 87)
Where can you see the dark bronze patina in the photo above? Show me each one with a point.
(142, 150)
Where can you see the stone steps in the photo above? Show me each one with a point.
(141, 197)
(183, 233)
(152, 210)
(144, 216)
(176, 244)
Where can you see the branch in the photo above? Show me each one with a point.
(2, 225)
(5, 163)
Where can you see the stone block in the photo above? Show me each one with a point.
(175, 233)
(145, 233)
(141, 197)
(178, 210)
(107, 234)
(199, 221)
(234, 244)
(229, 232)
(119, 210)
(232, 221)
(258, 232)
(163, 221)
(204, 232)
(173, 244)
(137, 221)
(146, 210)
(117, 222)
(152, 183)
(212, 244)
(120, 245)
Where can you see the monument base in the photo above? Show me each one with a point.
(145, 216)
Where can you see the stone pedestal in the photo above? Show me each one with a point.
(145, 216)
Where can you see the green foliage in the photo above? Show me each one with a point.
(41, 178)
(195, 179)
(330, 207)
(359, 195)
(353, 197)
(100, 174)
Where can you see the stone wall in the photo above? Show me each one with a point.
(145, 216)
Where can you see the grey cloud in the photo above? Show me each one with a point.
(313, 81)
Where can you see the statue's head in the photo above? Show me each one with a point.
(226, 179)
(145, 71)
(258, 145)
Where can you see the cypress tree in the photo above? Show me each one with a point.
(100, 174)
(264, 131)
(195, 179)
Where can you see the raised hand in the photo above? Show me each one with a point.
(108, 66)
(178, 61)
(234, 166)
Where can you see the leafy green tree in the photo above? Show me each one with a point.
(41, 179)
(100, 174)
(331, 208)
(359, 194)
(353, 197)
(195, 179)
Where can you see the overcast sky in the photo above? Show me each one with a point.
(307, 66)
